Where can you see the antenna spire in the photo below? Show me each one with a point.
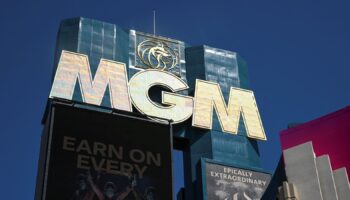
(154, 22)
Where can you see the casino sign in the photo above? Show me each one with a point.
(176, 107)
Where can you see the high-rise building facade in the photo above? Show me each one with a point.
(217, 164)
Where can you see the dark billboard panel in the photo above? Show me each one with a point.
(225, 182)
(103, 156)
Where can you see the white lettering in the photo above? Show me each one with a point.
(176, 107)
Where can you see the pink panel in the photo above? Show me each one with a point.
(329, 134)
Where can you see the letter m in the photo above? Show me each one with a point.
(208, 95)
(74, 66)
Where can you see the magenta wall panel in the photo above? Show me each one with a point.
(329, 134)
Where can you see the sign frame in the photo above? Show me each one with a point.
(47, 136)
(203, 178)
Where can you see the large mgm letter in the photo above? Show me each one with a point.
(73, 66)
(179, 107)
(209, 95)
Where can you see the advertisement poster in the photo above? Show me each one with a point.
(230, 183)
(103, 156)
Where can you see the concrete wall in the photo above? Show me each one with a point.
(326, 179)
(313, 176)
(342, 183)
(301, 171)
(329, 135)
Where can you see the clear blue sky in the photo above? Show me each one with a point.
(297, 52)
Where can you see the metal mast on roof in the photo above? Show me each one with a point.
(154, 22)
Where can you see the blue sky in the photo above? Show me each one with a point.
(297, 53)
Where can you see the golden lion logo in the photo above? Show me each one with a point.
(157, 55)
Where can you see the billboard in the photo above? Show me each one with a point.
(94, 155)
(225, 182)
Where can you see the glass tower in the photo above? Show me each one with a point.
(98, 40)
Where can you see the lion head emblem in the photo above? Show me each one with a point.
(157, 55)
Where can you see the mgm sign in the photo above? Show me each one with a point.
(74, 67)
